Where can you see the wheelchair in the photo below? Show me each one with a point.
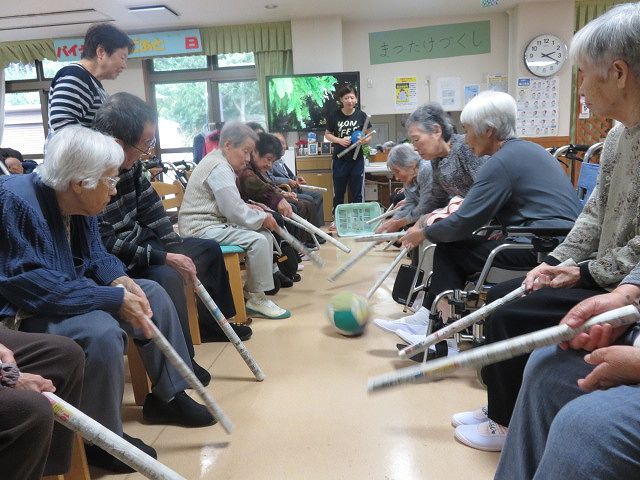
(543, 241)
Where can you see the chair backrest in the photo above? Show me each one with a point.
(587, 180)
(171, 194)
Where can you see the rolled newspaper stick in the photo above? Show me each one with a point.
(380, 237)
(467, 321)
(499, 351)
(364, 129)
(313, 187)
(388, 245)
(317, 231)
(350, 263)
(297, 224)
(357, 144)
(300, 248)
(386, 273)
(187, 373)
(228, 331)
(99, 435)
(386, 214)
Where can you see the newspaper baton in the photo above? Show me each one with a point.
(364, 129)
(92, 431)
(380, 237)
(386, 273)
(469, 320)
(357, 144)
(229, 331)
(317, 231)
(499, 351)
(351, 262)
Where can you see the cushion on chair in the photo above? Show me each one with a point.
(231, 249)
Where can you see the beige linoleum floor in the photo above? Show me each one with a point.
(312, 417)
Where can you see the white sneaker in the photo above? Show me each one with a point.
(300, 267)
(480, 415)
(259, 305)
(410, 338)
(418, 319)
(487, 436)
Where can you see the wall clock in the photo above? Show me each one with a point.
(545, 55)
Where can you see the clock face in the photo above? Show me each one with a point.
(545, 55)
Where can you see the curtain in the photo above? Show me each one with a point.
(2, 90)
(586, 10)
(271, 63)
(264, 37)
(26, 51)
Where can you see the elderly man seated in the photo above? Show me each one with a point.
(519, 185)
(56, 277)
(30, 443)
(212, 208)
(135, 227)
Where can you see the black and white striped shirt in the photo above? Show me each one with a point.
(75, 96)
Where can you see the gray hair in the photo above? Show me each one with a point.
(79, 154)
(426, 116)
(495, 110)
(403, 156)
(614, 35)
(236, 133)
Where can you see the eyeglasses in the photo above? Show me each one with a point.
(111, 182)
(151, 144)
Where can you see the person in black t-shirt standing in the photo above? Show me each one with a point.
(346, 170)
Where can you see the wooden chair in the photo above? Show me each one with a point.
(232, 254)
(172, 195)
(79, 469)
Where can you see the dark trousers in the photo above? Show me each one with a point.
(30, 443)
(347, 173)
(317, 201)
(454, 262)
(540, 309)
(209, 262)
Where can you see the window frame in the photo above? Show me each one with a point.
(213, 75)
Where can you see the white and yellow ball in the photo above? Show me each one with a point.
(348, 313)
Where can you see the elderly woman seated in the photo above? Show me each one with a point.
(416, 176)
(604, 240)
(213, 208)
(56, 277)
(255, 186)
(520, 185)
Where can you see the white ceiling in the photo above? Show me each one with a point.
(31, 19)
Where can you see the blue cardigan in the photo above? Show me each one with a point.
(41, 271)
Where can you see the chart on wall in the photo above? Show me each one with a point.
(538, 101)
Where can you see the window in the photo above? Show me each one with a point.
(192, 91)
(25, 115)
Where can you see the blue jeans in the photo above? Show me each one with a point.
(560, 432)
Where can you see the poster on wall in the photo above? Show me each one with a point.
(498, 83)
(470, 91)
(538, 101)
(406, 93)
(449, 93)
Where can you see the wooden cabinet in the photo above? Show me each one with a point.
(316, 170)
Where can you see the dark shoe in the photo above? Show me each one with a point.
(214, 333)
(201, 373)
(285, 282)
(182, 410)
(441, 351)
(311, 246)
(99, 458)
(276, 286)
(321, 240)
(296, 277)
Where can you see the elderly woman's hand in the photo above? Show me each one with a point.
(615, 365)
(35, 383)
(184, 266)
(603, 335)
(135, 309)
(414, 237)
(391, 225)
(545, 275)
(284, 208)
(6, 355)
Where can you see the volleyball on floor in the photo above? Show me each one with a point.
(348, 313)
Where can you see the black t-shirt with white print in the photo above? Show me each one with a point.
(341, 126)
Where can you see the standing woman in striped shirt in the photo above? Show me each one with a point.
(76, 90)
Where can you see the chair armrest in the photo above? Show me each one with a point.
(538, 231)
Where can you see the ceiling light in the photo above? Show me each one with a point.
(153, 9)
(270, 6)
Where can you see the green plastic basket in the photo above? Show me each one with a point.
(351, 218)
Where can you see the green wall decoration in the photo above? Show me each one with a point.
(438, 41)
